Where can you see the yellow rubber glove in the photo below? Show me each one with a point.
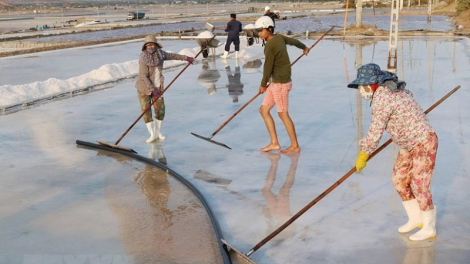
(361, 161)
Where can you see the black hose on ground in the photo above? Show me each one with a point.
(203, 200)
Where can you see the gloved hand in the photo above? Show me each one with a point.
(156, 93)
(361, 161)
(190, 59)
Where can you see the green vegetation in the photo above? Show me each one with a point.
(463, 5)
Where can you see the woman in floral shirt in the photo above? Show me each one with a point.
(395, 110)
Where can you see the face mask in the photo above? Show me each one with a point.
(366, 92)
(151, 48)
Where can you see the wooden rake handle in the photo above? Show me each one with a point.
(168, 86)
(336, 184)
(314, 44)
(258, 94)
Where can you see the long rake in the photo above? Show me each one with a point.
(154, 99)
(209, 139)
(244, 258)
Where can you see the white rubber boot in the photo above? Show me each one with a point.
(158, 130)
(225, 55)
(429, 226)
(414, 216)
(236, 54)
(151, 129)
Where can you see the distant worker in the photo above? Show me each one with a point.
(234, 27)
(149, 83)
(270, 14)
(278, 15)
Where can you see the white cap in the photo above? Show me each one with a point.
(276, 11)
(267, 8)
(264, 22)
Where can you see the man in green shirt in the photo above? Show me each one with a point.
(277, 71)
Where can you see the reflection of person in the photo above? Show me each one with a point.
(277, 68)
(270, 14)
(153, 212)
(156, 153)
(145, 221)
(395, 110)
(150, 83)
(235, 86)
(208, 77)
(234, 27)
(279, 206)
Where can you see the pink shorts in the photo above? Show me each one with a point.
(277, 94)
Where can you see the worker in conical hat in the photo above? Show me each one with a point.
(150, 82)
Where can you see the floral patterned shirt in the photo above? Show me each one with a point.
(400, 115)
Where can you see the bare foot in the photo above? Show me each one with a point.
(271, 147)
(290, 150)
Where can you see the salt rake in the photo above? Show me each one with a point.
(115, 145)
(244, 258)
(209, 139)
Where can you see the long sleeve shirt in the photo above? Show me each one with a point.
(233, 28)
(400, 115)
(151, 77)
(277, 62)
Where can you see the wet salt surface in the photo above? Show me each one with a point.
(126, 212)
(45, 176)
(295, 25)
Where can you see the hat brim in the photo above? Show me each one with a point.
(355, 84)
(362, 80)
(156, 43)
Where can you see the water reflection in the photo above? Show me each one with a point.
(156, 153)
(419, 252)
(235, 86)
(252, 66)
(144, 224)
(278, 210)
(321, 23)
(212, 178)
(209, 75)
(153, 227)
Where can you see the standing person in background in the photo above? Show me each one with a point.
(395, 110)
(234, 27)
(270, 14)
(278, 15)
(150, 81)
(277, 71)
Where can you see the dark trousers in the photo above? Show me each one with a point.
(236, 42)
